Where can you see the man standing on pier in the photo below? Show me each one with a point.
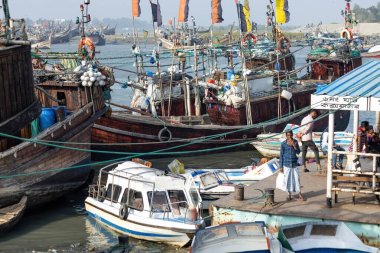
(306, 130)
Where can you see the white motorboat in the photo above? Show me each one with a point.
(235, 237)
(329, 237)
(215, 183)
(269, 145)
(146, 203)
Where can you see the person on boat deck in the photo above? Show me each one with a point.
(324, 147)
(289, 165)
(306, 130)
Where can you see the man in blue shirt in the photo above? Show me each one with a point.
(289, 165)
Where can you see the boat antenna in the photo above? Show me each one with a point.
(86, 18)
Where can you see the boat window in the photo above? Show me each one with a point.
(209, 180)
(213, 234)
(177, 200)
(251, 230)
(328, 230)
(114, 191)
(159, 203)
(194, 195)
(135, 199)
(294, 232)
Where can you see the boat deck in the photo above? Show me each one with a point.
(313, 188)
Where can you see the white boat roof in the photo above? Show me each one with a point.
(323, 234)
(237, 237)
(139, 171)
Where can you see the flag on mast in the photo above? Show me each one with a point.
(216, 11)
(244, 15)
(156, 13)
(282, 13)
(136, 10)
(183, 12)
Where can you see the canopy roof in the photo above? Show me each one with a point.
(359, 89)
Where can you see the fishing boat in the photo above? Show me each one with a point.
(10, 215)
(41, 112)
(235, 237)
(321, 237)
(373, 52)
(97, 38)
(269, 145)
(146, 203)
(109, 31)
(43, 44)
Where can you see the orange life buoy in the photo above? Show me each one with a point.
(87, 44)
(347, 34)
(280, 44)
(248, 40)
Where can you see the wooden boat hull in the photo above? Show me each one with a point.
(40, 171)
(11, 215)
(136, 134)
(266, 108)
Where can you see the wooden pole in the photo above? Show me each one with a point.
(329, 159)
(196, 88)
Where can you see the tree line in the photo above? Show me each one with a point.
(367, 15)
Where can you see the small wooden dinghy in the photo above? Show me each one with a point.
(10, 215)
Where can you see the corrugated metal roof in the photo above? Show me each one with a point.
(363, 81)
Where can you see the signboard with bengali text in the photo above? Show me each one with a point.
(326, 102)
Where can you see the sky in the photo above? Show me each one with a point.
(302, 12)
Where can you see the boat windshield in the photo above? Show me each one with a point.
(194, 194)
(209, 180)
(249, 230)
(159, 202)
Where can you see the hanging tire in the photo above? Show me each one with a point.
(164, 135)
(102, 194)
(123, 212)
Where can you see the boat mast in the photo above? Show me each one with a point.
(6, 12)
(248, 110)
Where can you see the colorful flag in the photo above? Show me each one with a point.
(156, 13)
(136, 10)
(183, 12)
(216, 11)
(244, 14)
(282, 13)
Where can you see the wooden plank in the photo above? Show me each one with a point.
(3, 114)
(355, 179)
(12, 95)
(8, 105)
(17, 84)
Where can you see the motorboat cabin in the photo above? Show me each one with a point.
(146, 203)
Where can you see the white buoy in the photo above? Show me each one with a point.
(92, 79)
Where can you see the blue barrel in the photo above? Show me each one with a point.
(47, 118)
(230, 72)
